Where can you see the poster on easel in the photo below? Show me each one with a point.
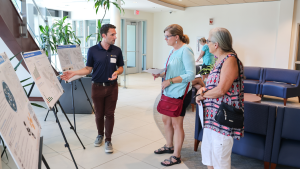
(70, 58)
(19, 126)
(44, 77)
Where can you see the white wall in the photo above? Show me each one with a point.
(148, 17)
(285, 22)
(254, 28)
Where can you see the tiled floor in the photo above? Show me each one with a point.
(135, 135)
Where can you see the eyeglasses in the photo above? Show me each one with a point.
(209, 41)
(167, 37)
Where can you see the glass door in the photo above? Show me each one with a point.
(132, 47)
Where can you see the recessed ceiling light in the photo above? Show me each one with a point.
(134, 2)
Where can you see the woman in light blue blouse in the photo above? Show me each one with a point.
(180, 71)
(208, 59)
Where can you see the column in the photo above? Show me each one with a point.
(115, 19)
(282, 51)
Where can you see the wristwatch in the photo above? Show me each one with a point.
(117, 72)
(171, 82)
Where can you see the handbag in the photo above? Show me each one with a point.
(168, 106)
(228, 115)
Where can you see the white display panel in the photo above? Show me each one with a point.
(19, 126)
(44, 77)
(70, 58)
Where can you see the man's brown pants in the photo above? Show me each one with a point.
(105, 100)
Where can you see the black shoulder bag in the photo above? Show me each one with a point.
(228, 115)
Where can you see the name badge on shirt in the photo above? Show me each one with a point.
(113, 60)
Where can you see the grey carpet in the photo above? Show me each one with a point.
(193, 159)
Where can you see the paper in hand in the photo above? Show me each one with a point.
(200, 108)
(154, 71)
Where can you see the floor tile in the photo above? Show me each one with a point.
(60, 162)
(92, 132)
(57, 143)
(125, 162)
(149, 131)
(146, 154)
(129, 123)
(93, 156)
(128, 142)
(48, 152)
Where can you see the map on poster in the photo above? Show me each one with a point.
(19, 126)
(70, 58)
(43, 75)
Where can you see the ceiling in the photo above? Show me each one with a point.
(72, 5)
(142, 5)
(194, 3)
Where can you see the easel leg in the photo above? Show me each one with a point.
(62, 132)
(4, 149)
(45, 162)
(69, 123)
(73, 107)
(46, 115)
(87, 95)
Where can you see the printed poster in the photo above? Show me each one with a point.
(70, 58)
(44, 77)
(19, 126)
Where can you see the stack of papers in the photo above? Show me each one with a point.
(154, 71)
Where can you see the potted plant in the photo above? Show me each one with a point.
(106, 4)
(60, 33)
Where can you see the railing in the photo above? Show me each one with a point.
(36, 15)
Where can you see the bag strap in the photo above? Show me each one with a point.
(186, 90)
(167, 64)
(187, 87)
(240, 80)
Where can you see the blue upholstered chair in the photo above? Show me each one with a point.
(282, 83)
(259, 131)
(198, 130)
(286, 146)
(253, 79)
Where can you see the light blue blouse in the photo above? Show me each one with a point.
(181, 63)
(208, 58)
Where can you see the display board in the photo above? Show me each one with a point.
(44, 77)
(19, 126)
(70, 58)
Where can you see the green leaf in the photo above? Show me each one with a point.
(25, 91)
(28, 84)
(117, 5)
(37, 105)
(24, 80)
(18, 65)
(42, 29)
(14, 56)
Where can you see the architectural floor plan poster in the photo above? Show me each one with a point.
(42, 73)
(70, 58)
(19, 126)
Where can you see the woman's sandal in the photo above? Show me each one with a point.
(178, 161)
(165, 149)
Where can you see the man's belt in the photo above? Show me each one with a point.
(104, 84)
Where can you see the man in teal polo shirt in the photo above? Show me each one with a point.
(103, 59)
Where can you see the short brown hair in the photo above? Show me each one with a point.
(203, 40)
(104, 28)
(175, 29)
